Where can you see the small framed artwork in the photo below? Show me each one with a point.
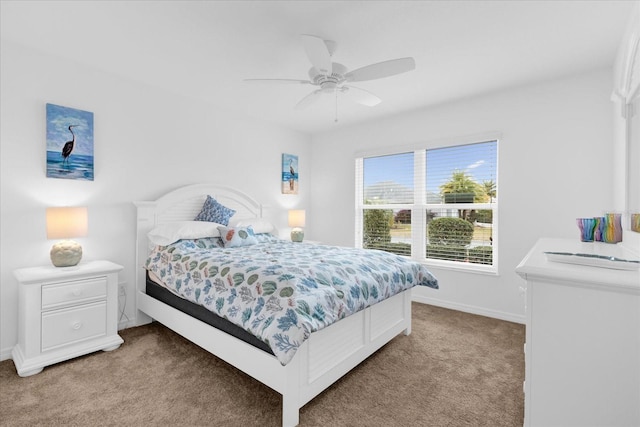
(290, 174)
(69, 143)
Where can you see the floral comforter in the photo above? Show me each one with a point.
(281, 291)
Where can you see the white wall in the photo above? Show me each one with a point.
(147, 142)
(555, 164)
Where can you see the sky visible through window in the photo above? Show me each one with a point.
(477, 160)
(397, 168)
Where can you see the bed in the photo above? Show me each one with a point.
(322, 351)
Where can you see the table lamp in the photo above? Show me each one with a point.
(65, 223)
(296, 220)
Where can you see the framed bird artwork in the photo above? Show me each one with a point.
(69, 143)
(290, 174)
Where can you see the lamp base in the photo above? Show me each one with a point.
(297, 235)
(66, 253)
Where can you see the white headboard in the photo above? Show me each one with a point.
(183, 204)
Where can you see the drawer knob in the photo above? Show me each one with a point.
(76, 325)
(77, 292)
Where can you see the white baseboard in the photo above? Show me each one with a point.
(126, 324)
(5, 354)
(510, 317)
(139, 320)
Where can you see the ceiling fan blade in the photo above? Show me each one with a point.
(283, 81)
(317, 52)
(381, 69)
(361, 96)
(309, 99)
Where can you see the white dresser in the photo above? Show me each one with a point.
(582, 351)
(64, 313)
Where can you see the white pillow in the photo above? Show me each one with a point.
(233, 237)
(259, 225)
(165, 234)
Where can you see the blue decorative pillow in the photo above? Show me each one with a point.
(213, 211)
(237, 236)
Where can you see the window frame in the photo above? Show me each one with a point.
(420, 207)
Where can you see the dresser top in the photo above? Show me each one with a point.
(537, 265)
(49, 272)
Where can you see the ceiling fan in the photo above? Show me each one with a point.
(332, 78)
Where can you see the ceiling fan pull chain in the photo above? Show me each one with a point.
(336, 120)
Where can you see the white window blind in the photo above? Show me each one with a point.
(462, 174)
(438, 205)
(388, 180)
(387, 198)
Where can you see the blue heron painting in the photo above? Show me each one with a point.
(69, 143)
(289, 174)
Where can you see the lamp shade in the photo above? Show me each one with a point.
(296, 218)
(66, 222)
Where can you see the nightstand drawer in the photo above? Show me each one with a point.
(62, 294)
(67, 326)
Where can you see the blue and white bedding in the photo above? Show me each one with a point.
(281, 291)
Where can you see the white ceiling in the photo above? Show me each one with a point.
(205, 49)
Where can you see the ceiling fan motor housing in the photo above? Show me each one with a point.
(326, 81)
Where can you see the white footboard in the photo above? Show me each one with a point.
(325, 357)
(334, 351)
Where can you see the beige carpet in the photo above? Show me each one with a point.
(455, 369)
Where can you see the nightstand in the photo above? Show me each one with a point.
(65, 313)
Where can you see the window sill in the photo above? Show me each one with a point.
(490, 270)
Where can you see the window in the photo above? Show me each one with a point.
(436, 205)
(389, 197)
